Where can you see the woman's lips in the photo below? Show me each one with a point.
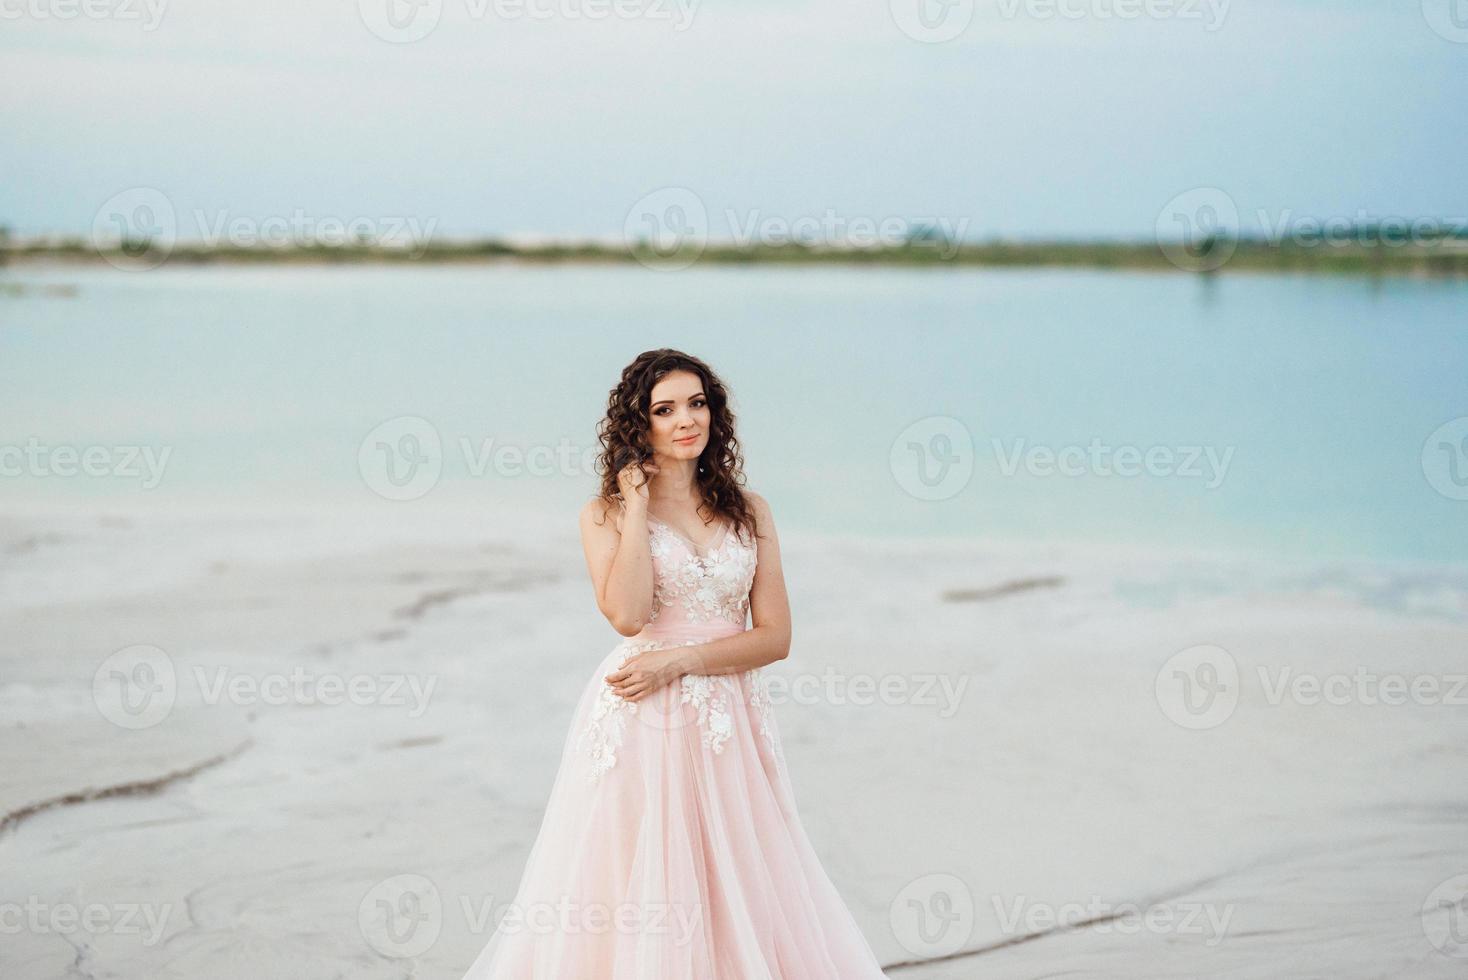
(687, 439)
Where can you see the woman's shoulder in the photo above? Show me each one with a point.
(599, 512)
(759, 507)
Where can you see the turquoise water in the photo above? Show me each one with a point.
(1315, 396)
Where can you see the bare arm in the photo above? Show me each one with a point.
(619, 562)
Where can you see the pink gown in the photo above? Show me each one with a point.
(671, 848)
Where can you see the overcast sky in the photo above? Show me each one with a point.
(1034, 118)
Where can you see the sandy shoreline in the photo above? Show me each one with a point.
(974, 770)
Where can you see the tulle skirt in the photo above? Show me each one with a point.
(671, 848)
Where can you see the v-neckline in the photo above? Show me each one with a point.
(703, 552)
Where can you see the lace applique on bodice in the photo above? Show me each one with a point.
(696, 587)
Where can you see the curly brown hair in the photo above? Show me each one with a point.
(623, 436)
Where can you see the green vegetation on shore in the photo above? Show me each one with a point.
(1362, 253)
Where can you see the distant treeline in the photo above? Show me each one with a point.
(1359, 250)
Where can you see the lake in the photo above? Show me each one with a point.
(1282, 415)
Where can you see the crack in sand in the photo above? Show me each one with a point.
(1005, 588)
(1056, 930)
(517, 581)
(139, 787)
(78, 965)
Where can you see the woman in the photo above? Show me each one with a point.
(671, 848)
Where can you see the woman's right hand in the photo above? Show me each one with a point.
(634, 478)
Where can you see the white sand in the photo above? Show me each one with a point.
(1028, 772)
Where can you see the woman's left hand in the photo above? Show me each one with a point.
(644, 673)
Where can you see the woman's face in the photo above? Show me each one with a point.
(678, 417)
